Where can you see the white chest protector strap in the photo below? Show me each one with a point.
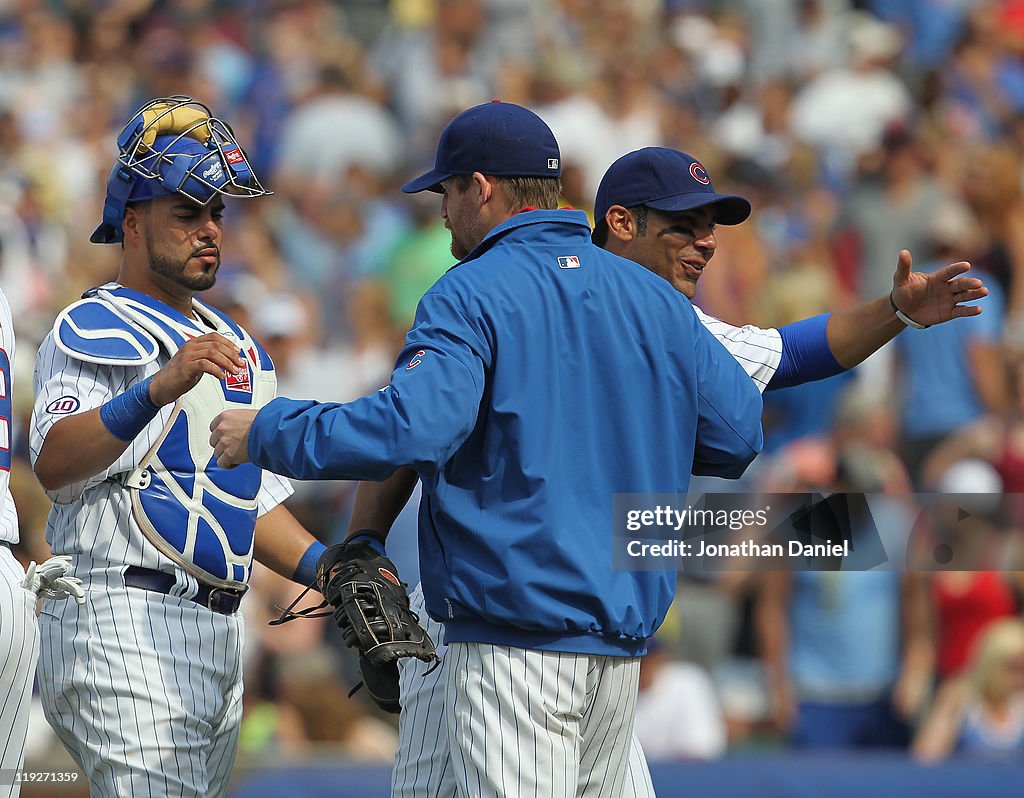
(196, 513)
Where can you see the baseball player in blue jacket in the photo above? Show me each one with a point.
(542, 376)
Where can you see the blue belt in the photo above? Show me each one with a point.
(219, 599)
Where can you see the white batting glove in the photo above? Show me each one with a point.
(47, 580)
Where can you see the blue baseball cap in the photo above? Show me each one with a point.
(495, 138)
(665, 180)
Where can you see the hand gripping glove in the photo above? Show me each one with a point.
(371, 606)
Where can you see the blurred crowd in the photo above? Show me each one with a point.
(855, 128)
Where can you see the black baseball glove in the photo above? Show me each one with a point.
(371, 607)
(381, 684)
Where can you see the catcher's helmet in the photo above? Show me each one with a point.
(173, 145)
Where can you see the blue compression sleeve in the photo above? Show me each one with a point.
(806, 355)
(305, 572)
(127, 414)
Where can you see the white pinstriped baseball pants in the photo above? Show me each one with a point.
(144, 690)
(423, 767)
(524, 723)
(19, 646)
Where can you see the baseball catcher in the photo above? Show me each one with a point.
(370, 606)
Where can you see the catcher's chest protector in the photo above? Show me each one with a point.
(196, 513)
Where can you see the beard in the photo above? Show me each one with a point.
(460, 246)
(174, 270)
(457, 249)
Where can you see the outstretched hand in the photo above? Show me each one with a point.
(936, 297)
(229, 437)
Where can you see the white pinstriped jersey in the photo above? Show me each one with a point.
(757, 350)
(8, 513)
(102, 525)
(19, 635)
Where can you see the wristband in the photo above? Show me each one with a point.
(305, 571)
(371, 536)
(128, 413)
(904, 317)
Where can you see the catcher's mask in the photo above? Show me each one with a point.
(173, 145)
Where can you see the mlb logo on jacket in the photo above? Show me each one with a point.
(568, 262)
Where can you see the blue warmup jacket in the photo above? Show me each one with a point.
(541, 376)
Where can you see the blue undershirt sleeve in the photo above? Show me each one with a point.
(806, 355)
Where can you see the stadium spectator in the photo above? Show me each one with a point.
(420, 255)
(794, 38)
(993, 439)
(980, 715)
(984, 79)
(677, 710)
(310, 681)
(578, 121)
(337, 127)
(843, 651)
(890, 206)
(844, 111)
(961, 562)
(931, 29)
(951, 375)
(991, 181)
(434, 66)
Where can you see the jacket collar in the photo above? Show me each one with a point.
(569, 217)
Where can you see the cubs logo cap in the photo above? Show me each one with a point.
(496, 138)
(665, 180)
